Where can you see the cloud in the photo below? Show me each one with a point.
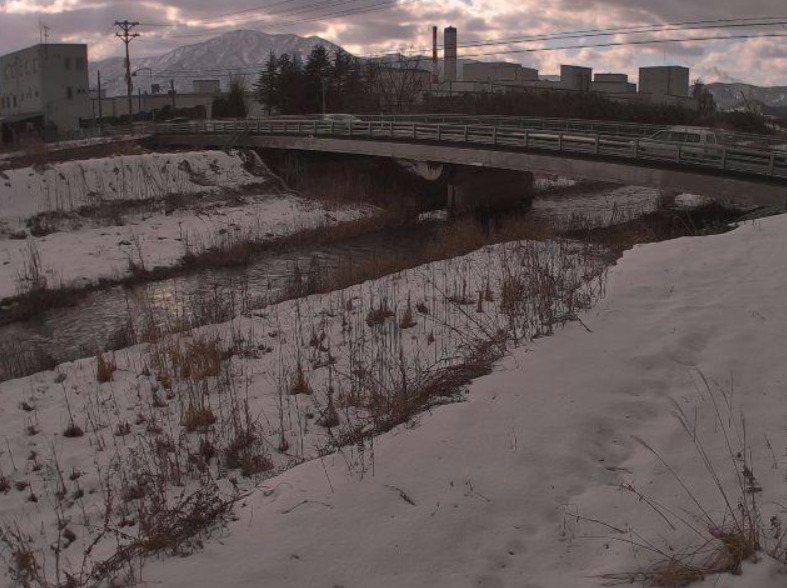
(408, 25)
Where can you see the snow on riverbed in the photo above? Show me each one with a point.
(521, 485)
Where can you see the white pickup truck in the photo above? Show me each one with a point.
(682, 144)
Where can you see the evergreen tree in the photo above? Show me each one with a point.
(290, 85)
(318, 74)
(266, 88)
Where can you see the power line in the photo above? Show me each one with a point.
(627, 43)
(254, 68)
(381, 5)
(632, 29)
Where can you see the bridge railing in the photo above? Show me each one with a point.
(604, 127)
(526, 122)
(769, 163)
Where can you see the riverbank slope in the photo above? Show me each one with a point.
(523, 484)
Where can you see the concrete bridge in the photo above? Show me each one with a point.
(494, 147)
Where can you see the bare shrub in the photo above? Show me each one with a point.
(197, 417)
(378, 314)
(31, 278)
(105, 367)
(300, 384)
(73, 430)
(203, 359)
(407, 321)
(246, 452)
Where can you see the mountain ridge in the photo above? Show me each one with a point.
(243, 51)
(730, 95)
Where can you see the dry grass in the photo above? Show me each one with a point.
(197, 417)
(723, 544)
(300, 384)
(105, 367)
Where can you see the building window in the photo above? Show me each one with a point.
(79, 62)
(67, 62)
(69, 92)
(14, 100)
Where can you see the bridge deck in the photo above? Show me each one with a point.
(738, 172)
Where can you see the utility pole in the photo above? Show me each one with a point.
(127, 36)
(100, 112)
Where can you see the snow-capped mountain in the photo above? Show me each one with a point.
(735, 95)
(211, 59)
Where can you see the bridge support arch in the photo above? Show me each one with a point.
(473, 189)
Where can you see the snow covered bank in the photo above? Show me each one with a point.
(496, 491)
(484, 493)
(97, 219)
(269, 390)
(68, 186)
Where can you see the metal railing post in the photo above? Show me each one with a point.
(527, 136)
(439, 132)
(494, 135)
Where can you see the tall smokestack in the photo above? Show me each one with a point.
(435, 70)
(449, 54)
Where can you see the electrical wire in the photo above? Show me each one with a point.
(254, 68)
(632, 29)
(380, 5)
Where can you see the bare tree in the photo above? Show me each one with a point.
(401, 84)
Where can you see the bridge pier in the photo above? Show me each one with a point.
(482, 190)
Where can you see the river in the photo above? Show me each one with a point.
(105, 318)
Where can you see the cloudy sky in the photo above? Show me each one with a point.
(371, 26)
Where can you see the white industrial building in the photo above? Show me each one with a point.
(43, 88)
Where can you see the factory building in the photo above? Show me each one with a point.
(612, 83)
(498, 72)
(668, 80)
(43, 88)
(576, 78)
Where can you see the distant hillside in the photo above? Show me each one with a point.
(735, 95)
(207, 60)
